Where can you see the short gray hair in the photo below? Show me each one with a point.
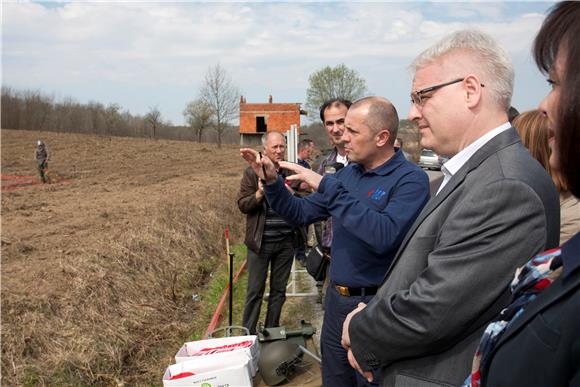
(493, 61)
(267, 134)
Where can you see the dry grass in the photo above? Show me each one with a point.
(97, 274)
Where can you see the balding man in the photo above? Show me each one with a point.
(270, 242)
(372, 201)
(495, 208)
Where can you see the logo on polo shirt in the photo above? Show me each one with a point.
(376, 194)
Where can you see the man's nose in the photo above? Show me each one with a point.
(414, 113)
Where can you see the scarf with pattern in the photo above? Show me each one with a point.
(529, 280)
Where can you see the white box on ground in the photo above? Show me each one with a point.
(204, 371)
(221, 349)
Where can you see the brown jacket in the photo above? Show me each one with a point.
(255, 210)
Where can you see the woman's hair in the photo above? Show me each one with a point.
(559, 35)
(532, 127)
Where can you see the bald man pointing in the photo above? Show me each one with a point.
(373, 202)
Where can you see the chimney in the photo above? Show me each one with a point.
(270, 98)
(242, 99)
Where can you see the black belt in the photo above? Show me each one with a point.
(347, 292)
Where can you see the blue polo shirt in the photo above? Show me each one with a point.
(371, 212)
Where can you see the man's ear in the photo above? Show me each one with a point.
(383, 137)
(473, 90)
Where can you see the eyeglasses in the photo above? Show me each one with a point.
(417, 96)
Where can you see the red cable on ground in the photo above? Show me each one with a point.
(4, 176)
(14, 182)
(218, 311)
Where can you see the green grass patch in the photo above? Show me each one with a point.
(210, 298)
(294, 310)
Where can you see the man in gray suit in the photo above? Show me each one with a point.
(495, 208)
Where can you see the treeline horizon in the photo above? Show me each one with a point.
(35, 110)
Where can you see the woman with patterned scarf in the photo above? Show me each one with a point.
(535, 341)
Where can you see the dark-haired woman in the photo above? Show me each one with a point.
(535, 341)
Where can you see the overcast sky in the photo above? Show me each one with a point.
(155, 53)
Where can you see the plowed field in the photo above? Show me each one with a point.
(99, 266)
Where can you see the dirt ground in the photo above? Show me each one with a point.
(99, 266)
(96, 263)
(100, 187)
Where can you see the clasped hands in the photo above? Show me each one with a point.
(266, 169)
(345, 342)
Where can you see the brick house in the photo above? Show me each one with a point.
(259, 118)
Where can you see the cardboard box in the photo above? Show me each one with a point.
(221, 349)
(206, 372)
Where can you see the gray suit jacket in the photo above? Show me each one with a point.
(450, 275)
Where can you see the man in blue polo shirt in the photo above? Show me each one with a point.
(373, 202)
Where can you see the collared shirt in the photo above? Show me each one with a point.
(455, 163)
(341, 159)
(371, 212)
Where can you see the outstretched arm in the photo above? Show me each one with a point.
(262, 165)
(302, 174)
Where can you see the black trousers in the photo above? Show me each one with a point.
(278, 255)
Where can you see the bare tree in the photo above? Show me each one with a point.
(96, 116)
(198, 115)
(31, 109)
(37, 109)
(220, 93)
(112, 117)
(153, 118)
(11, 108)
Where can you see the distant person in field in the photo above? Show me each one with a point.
(41, 156)
(270, 241)
(399, 145)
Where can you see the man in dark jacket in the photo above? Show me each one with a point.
(495, 207)
(270, 241)
(332, 115)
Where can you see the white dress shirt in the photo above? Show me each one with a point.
(455, 163)
(341, 159)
